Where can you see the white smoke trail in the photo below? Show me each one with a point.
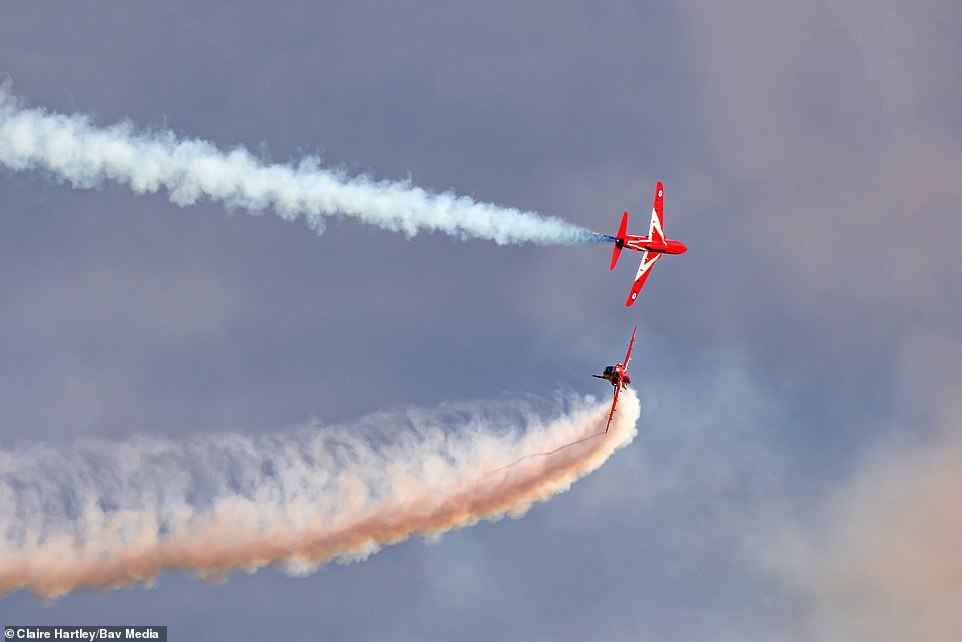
(72, 149)
(113, 514)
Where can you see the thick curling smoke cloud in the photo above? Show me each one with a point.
(72, 149)
(114, 514)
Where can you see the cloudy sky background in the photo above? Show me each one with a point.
(798, 472)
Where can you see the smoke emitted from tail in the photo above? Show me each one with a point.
(110, 514)
(74, 150)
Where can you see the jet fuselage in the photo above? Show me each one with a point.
(642, 243)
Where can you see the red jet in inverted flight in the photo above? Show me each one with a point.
(618, 376)
(651, 246)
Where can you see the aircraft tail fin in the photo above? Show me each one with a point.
(619, 240)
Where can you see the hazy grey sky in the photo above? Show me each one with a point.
(796, 475)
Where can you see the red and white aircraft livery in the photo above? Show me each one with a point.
(651, 246)
(618, 376)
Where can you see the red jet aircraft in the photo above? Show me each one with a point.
(651, 246)
(618, 376)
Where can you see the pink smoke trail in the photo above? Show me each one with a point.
(111, 515)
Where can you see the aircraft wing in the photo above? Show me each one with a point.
(647, 261)
(614, 402)
(631, 344)
(656, 230)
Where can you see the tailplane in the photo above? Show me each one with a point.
(619, 240)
